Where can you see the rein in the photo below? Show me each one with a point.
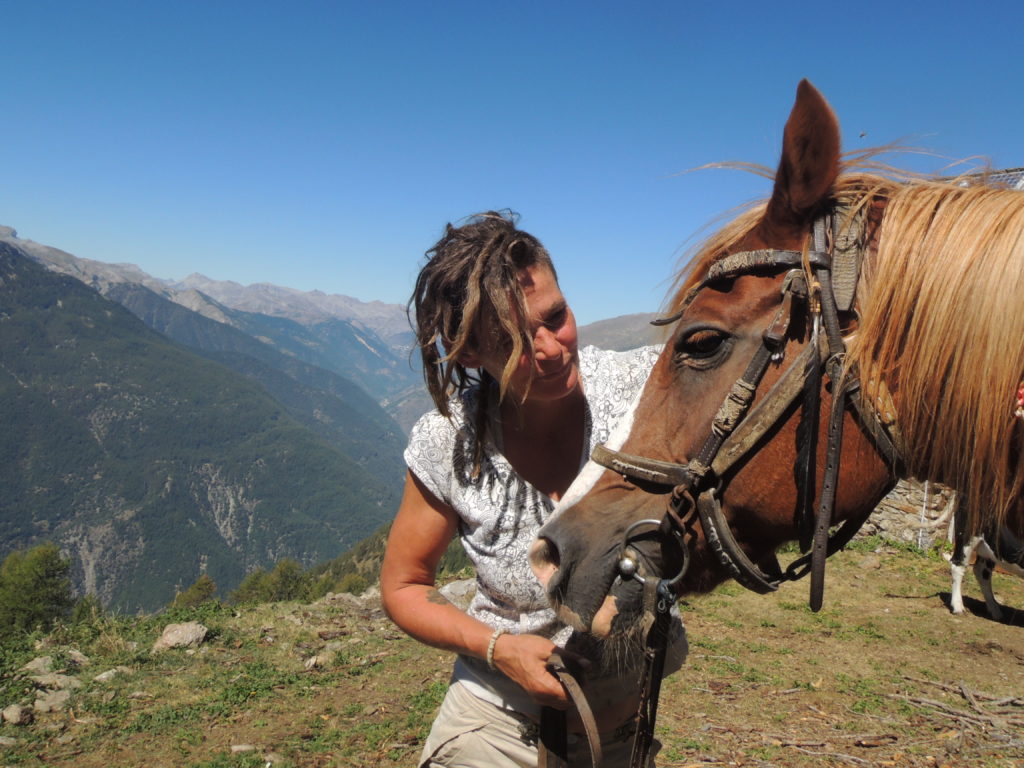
(824, 278)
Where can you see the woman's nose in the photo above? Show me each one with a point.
(545, 345)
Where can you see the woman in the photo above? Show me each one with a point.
(503, 445)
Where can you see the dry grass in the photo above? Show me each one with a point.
(883, 675)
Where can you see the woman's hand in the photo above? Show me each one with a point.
(524, 658)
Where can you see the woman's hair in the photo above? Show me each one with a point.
(468, 299)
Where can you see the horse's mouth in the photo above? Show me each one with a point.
(602, 606)
(561, 579)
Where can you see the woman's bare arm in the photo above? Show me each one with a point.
(419, 536)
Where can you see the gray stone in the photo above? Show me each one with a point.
(16, 714)
(7, 741)
(110, 674)
(913, 512)
(41, 665)
(460, 593)
(55, 682)
(186, 635)
(52, 701)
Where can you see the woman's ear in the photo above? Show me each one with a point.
(469, 359)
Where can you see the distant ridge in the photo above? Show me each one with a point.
(622, 333)
(387, 320)
(149, 464)
(367, 342)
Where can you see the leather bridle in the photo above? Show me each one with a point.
(823, 278)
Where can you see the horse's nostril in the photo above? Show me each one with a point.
(544, 560)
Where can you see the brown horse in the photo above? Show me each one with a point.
(856, 326)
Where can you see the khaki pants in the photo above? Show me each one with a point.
(472, 733)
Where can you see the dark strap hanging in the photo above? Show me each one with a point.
(658, 602)
(553, 749)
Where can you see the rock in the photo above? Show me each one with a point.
(7, 741)
(17, 715)
(186, 635)
(870, 562)
(52, 701)
(110, 674)
(78, 658)
(55, 682)
(918, 513)
(237, 748)
(460, 592)
(41, 665)
(372, 592)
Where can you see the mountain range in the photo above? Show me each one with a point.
(150, 462)
(158, 430)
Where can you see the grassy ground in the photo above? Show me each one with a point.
(883, 675)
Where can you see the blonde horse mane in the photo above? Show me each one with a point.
(941, 307)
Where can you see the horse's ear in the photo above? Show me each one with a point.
(810, 159)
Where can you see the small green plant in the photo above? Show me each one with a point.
(35, 590)
(201, 591)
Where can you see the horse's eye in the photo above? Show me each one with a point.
(701, 347)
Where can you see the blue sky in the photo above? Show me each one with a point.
(323, 145)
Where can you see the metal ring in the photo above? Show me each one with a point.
(629, 569)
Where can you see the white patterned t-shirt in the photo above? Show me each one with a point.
(500, 512)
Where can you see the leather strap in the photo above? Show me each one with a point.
(658, 601)
(553, 748)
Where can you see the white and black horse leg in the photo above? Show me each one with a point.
(962, 550)
(984, 564)
(997, 547)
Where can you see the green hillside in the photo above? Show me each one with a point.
(329, 404)
(149, 464)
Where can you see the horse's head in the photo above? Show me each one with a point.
(744, 313)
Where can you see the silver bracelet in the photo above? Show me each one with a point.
(490, 647)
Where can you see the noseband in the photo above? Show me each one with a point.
(824, 278)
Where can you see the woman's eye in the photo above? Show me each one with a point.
(556, 321)
(702, 345)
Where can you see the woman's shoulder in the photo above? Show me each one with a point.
(433, 422)
(613, 364)
(435, 437)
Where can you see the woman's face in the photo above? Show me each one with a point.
(555, 363)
